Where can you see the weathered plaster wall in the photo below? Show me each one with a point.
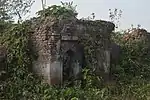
(100, 30)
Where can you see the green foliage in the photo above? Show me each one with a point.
(20, 81)
(69, 6)
(58, 12)
(4, 25)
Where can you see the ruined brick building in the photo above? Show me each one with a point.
(59, 51)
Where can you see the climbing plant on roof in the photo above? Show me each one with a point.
(56, 11)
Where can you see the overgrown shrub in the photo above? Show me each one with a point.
(135, 62)
(15, 40)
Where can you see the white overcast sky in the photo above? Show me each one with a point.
(134, 11)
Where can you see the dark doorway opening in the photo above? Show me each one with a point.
(67, 65)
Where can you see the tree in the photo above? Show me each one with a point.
(15, 7)
(115, 16)
(70, 6)
(3, 13)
